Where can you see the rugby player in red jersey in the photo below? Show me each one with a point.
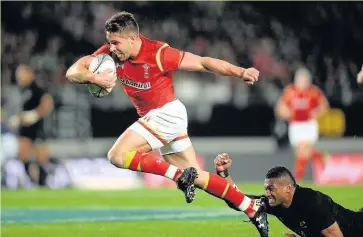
(301, 104)
(145, 67)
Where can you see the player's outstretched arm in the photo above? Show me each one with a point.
(221, 163)
(46, 106)
(281, 109)
(323, 106)
(29, 117)
(192, 62)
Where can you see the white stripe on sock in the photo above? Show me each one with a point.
(170, 173)
(245, 203)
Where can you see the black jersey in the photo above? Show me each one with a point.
(31, 96)
(312, 211)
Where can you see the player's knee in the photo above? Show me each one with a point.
(116, 158)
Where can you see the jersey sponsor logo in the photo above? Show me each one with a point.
(138, 85)
(303, 228)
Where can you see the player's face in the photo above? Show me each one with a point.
(275, 191)
(121, 45)
(302, 82)
(24, 76)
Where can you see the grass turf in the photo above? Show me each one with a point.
(135, 213)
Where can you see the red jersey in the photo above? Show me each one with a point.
(302, 103)
(147, 79)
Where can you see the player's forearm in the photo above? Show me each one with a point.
(228, 177)
(224, 174)
(283, 116)
(221, 67)
(232, 183)
(46, 106)
(79, 74)
(230, 180)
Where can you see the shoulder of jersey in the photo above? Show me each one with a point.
(153, 46)
(289, 89)
(315, 90)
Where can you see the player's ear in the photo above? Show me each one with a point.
(132, 37)
(289, 188)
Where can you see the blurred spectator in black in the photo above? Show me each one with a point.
(36, 104)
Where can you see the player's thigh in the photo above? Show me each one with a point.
(145, 148)
(41, 151)
(164, 128)
(304, 149)
(183, 159)
(25, 148)
(129, 140)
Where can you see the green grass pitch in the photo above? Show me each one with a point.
(136, 213)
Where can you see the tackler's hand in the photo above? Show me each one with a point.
(222, 162)
(250, 75)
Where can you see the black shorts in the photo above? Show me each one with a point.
(34, 132)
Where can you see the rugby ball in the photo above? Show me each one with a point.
(98, 64)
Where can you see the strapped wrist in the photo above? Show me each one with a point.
(83, 76)
(223, 174)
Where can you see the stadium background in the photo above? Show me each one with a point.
(225, 115)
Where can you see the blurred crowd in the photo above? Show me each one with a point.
(276, 38)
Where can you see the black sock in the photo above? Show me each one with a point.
(42, 175)
(26, 167)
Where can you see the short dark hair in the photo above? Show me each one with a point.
(121, 22)
(279, 172)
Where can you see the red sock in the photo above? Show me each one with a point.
(220, 188)
(300, 168)
(318, 163)
(149, 163)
